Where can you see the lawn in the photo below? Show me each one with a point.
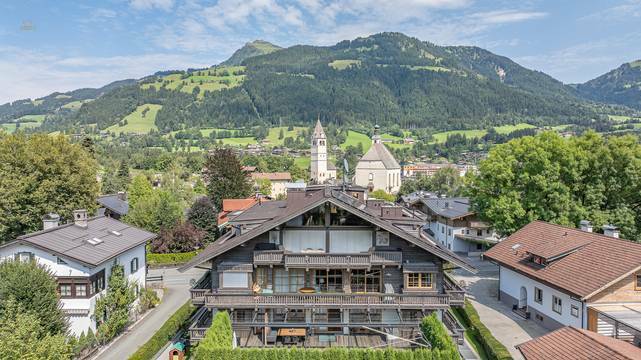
(343, 64)
(506, 129)
(620, 118)
(10, 128)
(353, 138)
(75, 105)
(302, 162)
(275, 131)
(442, 136)
(212, 79)
(239, 141)
(137, 122)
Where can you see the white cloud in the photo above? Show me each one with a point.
(507, 16)
(628, 9)
(150, 4)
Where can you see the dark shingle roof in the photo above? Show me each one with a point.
(448, 207)
(570, 343)
(74, 242)
(114, 203)
(591, 261)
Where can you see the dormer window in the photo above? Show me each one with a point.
(538, 260)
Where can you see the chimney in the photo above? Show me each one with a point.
(610, 230)
(80, 218)
(122, 195)
(585, 225)
(50, 221)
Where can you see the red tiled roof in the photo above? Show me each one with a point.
(593, 261)
(232, 205)
(570, 343)
(276, 176)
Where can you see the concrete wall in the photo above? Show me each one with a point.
(510, 287)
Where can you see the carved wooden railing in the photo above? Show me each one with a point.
(454, 290)
(200, 288)
(452, 324)
(325, 260)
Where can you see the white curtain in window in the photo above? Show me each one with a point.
(235, 280)
(350, 241)
(304, 240)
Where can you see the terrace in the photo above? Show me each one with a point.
(328, 260)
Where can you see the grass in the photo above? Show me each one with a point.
(619, 118)
(272, 136)
(212, 79)
(10, 128)
(302, 162)
(442, 136)
(343, 64)
(353, 138)
(478, 348)
(506, 129)
(239, 141)
(137, 122)
(75, 105)
(429, 68)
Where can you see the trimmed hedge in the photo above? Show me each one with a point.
(436, 334)
(324, 354)
(170, 259)
(164, 334)
(493, 348)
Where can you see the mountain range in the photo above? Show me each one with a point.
(387, 78)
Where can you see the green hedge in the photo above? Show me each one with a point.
(324, 354)
(164, 334)
(436, 334)
(218, 336)
(493, 348)
(170, 259)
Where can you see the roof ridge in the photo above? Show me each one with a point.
(590, 233)
(589, 334)
(63, 226)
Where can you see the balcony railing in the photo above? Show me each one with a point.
(454, 290)
(328, 260)
(475, 238)
(456, 329)
(303, 301)
(200, 288)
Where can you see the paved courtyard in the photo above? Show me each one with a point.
(507, 327)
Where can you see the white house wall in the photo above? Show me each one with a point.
(510, 287)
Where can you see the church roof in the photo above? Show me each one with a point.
(318, 130)
(378, 152)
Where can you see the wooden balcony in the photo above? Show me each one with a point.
(454, 290)
(455, 329)
(328, 260)
(343, 301)
(200, 288)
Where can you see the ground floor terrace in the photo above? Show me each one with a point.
(322, 327)
(620, 321)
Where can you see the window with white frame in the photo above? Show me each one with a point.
(557, 304)
(24, 256)
(134, 265)
(538, 295)
(235, 280)
(574, 310)
(65, 290)
(81, 290)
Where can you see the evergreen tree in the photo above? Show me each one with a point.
(225, 177)
(203, 216)
(112, 309)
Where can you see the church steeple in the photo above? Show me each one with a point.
(318, 164)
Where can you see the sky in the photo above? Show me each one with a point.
(48, 46)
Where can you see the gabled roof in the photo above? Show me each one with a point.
(281, 212)
(378, 152)
(451, 208)
(114, 203)
(580, 263)
(275, 176)
(75, 242)
(570, 343)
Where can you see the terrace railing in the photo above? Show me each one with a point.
(328, 260)
(454, 290)
(200, 288)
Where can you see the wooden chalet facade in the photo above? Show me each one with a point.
(325, 262)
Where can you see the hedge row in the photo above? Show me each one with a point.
(493, 348)
(325, 354)
(164, 334)
(169, 259)
(436, 334)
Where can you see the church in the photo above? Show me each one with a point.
(321, 170)
(377, 169)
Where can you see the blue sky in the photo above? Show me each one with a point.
(48, 46)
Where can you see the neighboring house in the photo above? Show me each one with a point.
(279, 181)
(80, 255)
(377, 169)
(234, 207)
(322, 268)
(560, 276)
(321, 170)
(454, 225)
(571, 343)
(114, 206)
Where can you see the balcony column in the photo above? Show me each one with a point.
(345, 321)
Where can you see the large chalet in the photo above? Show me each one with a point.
(326, 267)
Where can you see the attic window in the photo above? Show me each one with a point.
(538, 260)
(95, 241)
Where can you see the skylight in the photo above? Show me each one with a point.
(114, 232)
(95, 241)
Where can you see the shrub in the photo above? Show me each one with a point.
(164, 334)
(493, 348)
(325, 354)
(218, 336)
(436, 334)
(183, 237)
(148, 299)
(170, 259)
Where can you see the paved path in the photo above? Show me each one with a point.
(508, 328)
(176, 294)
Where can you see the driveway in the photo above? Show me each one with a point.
(176, 294)
(507, 327)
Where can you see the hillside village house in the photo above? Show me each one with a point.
(451, 223)
(321, 170)
(326, 267)
(560, 276)
(377, 169)
(80, 255)
(278, 180)
(113, 205)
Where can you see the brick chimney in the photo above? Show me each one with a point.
(610, 230)
(585, 225)
(50, 221)
(122, 195)
(80, 218)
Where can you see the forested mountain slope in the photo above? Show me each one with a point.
(619, 86)
(251, 49)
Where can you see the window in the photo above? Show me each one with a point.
(81, 290)
(371, 177)
(479, 246)
(235, 280)
(24, 256)
(366, 281)
(329, 281)
(65, 290)
(449, 232)
(274, 237)
(97, 282)
(60, 261)
(420, 280)
(479, 232)
(557, 304)
(442, 229)
(538, 295)
(574, 310)
(637, 282)
(134, 265)
(288, 281)
(263, 277)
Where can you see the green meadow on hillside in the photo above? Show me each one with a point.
(275, 132)
(353, 138)
(139, 121)
(212, 79)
